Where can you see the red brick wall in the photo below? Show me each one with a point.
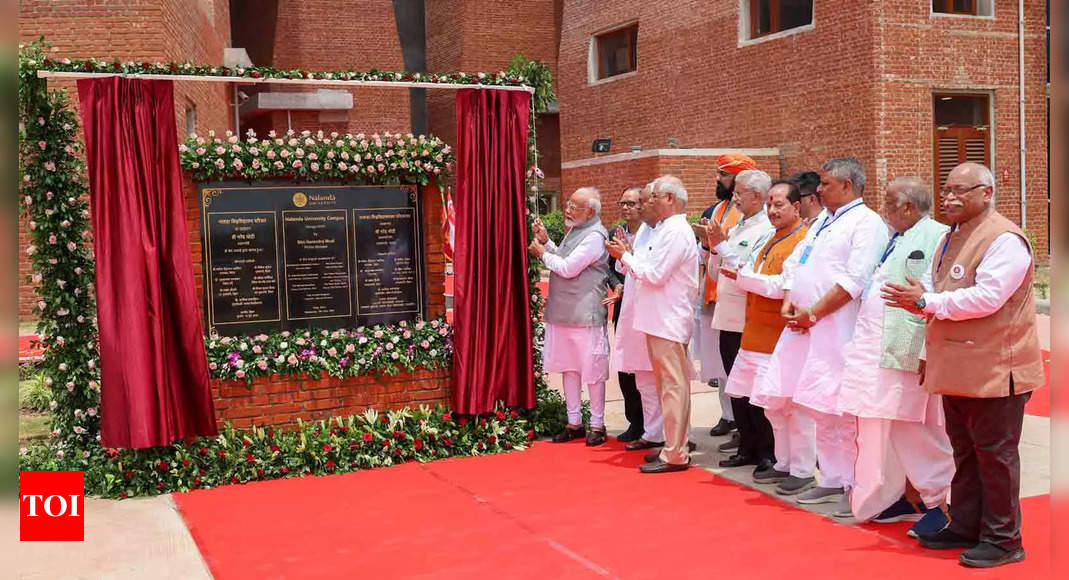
(479, 35)
(858, 83)
(150, 30)
(280, 401)
(697, 172)
(338, 35)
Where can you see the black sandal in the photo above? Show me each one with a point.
(595, 437)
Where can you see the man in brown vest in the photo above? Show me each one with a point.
(983, 357)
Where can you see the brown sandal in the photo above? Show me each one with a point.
(595, 437)
(568, 434)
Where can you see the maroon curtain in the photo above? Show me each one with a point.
(492, 312)
(154, 371)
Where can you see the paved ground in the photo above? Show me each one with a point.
(146, 538)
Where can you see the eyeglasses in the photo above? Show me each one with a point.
(628, 204)
(723, 173)
(572, 206)
(959, 191)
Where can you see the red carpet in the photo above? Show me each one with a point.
(555, 511)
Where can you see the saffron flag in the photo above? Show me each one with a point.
(449, 224)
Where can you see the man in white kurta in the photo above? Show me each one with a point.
(834, 266)
(666, 290)
(630, 354)
(576, 340)
(900, 425)
(751, 193)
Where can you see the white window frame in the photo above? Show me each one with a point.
(592, 56)
(744, 26)
(988, 14)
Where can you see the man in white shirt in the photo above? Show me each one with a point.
(731, 252)
(833, 268)
(983, 357)
(665, 295)
(629, 352)
(577, 344)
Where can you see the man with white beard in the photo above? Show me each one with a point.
(577, 344)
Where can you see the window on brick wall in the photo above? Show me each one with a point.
(962, 133)
(191, 119)
(616, 52)
(772, 16)
(964, 7)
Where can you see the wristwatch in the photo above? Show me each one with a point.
(920, 304)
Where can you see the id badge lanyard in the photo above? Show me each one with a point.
(828, 220)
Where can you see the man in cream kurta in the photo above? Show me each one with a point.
(577, 343)
(835, 265)
(751, 193)
(665, 294)
(900, 425)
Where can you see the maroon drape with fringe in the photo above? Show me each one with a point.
(492, 358)
(153, 367)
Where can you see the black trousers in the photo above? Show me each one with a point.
(632, 403)
(755, 432)
(986, 489)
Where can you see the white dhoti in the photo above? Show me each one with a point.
(581, 354)
(795, 431)
(705, 349)
(748, 366)
(900, 425)
(652, 419)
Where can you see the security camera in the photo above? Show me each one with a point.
(242, 97)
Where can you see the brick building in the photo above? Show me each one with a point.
(910, 87)
(907, 86)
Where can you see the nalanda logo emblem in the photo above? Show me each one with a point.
(957, 271)
(300, 199)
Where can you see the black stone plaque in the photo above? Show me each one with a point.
(289, 257)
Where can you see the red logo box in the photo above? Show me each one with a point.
(51, 506)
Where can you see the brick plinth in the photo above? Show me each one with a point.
(280, 401)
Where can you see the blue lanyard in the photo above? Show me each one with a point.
(890, 248)
(943, 252)
(827, 223)
(772, 244)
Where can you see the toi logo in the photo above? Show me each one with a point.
(51, 506)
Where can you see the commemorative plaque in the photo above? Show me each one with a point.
(289, 257)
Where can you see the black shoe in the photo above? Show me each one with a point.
(655, 455)
(737, 461)
(765, 464)
(946, 539)
(736, 439)
(628, 436)
(722, 427)
(662, 467)
(568, 434)
(643, 444)
(985, 555)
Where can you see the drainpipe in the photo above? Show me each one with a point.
(1020, 102)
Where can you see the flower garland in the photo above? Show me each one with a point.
(340, 445)
(40, 61)
(54, 203)
(386, 158)
(381, 349)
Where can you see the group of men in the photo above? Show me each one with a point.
(892, 351)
